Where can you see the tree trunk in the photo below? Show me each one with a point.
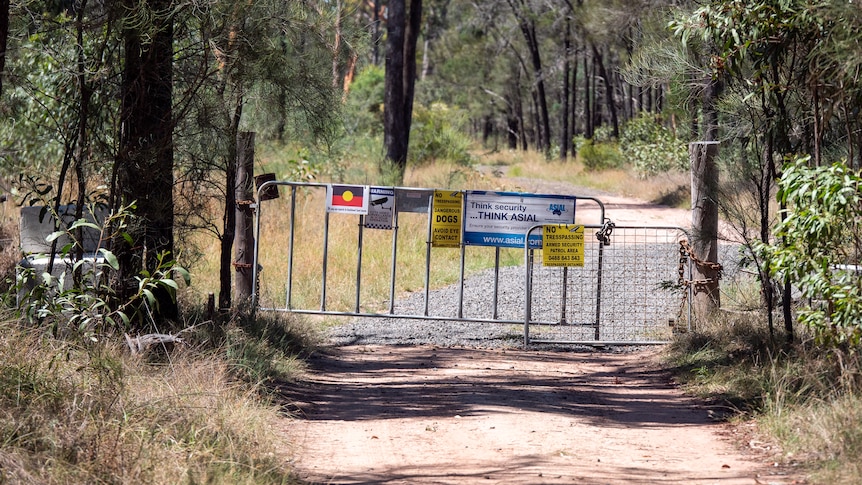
(82, 143)
(588, 114)
(336, 46)
(764, 198)
(512, 117)
(145, 164)
(522, 122)
(411, 38)
(594, 97)
(573, 129)
(375, 34)
(609, 92)
(564, 93)
(537, 123)
(400, 78)
(511, 129)
(4, 37)
(528, 29)
(394, 134)
(229, 233)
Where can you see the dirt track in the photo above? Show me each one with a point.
(404, 415)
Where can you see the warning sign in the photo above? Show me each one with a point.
(446, 219)
(563, 245)
(380, 208)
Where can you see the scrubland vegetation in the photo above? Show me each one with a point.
(82, 408)
(605, 95)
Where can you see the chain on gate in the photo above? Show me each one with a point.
(604, 234)
(686, 253)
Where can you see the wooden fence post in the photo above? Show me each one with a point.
(244, 235)
(704, 223)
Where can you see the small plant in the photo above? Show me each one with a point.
(364, 105)
(817, 247)
(437, 133)
(651, 148)
(84, 305)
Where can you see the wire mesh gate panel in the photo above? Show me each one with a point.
(627, 292)
(310, 261)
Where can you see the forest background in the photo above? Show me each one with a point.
(137, 105)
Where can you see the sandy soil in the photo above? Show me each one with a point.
(402, 415)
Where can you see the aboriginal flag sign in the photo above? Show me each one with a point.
(347, 199)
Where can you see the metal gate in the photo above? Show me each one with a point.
(631, 290)
(627, 292)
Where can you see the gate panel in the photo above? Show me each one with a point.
(628, 291)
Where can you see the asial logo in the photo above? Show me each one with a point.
(557, 209)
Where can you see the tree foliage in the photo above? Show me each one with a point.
(819, 245)
(75, 99)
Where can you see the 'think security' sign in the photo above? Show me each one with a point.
(502, 218)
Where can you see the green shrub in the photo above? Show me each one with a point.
(85, 306)
(651, 147)
(437, 134)
(817, 237)
(363, 108)
(600, 155)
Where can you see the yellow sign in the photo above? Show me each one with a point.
(446, 219)
(563, 245)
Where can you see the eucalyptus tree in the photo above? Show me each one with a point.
(790, 71)
(526, 17)
(271, 67)
(402, 28)
(144, 168)
(137, 99)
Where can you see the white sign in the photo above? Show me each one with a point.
(502, 218)
(347, 199)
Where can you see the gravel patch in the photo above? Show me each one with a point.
(637, 305)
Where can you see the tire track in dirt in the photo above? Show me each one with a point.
(430, 415)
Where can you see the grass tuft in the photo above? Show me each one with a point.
(806, 398)
(92, 413)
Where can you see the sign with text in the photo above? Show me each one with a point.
(563, 245)
(347, 199)
(446, 219)
(380, 208)
(502, 218)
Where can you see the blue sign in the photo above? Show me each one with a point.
(502, 219)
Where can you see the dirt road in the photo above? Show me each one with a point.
(400, 415)
(404, 415)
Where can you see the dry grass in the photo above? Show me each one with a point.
(10, 255)
(805, 398)
(91, 413)
(669, 189)
(813, 406)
